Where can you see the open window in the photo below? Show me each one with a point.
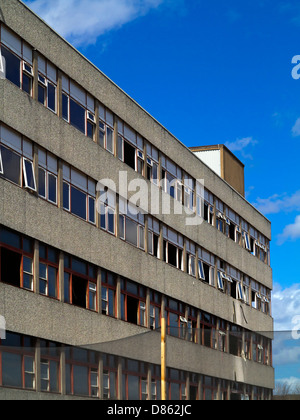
(246, 239)
(1, 164)
(173, 248)
(220, 281)
(29, 177)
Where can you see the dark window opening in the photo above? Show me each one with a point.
(172, 255)
(12, 67)
(90, 130)
(65, 107)
(129, 155)
(232, 231)
(132, 310)
(42, 95)
(77, 116)
(234, 345)
(233, 289)
(27, 84)
(155, 245)
(51, 97)
(205, 212)
(206, 269)
(79, 287)
(10, 267)
(78, 203)
(193, 393)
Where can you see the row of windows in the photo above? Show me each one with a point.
(95, 375)
(79, 198)
(129, 302)
(78, 109)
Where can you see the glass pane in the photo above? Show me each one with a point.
(77, 116)
(43, 271)
(12, 66)
(27, 81)
(67, 288)
(12, 370)
(11, 165)
(90, 130)
(52, 188)
(27, 265)
(42, 94)
(42, 183)
(78, 203)
(133, 388)
(131, 232)
(51, 97)
(66, 196)
(109, 140)
(92, 218)
(52, 282)
(54, 369)
(111, 221)
(80, 377)
(29, 175)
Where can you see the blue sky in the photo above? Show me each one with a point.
(211, 72)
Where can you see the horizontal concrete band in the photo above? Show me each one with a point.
(37, 316)
(38, 219)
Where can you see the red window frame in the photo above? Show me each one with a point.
(181, 381)
(110, 367)
(50, 355)
(155, 308)
(208, 323)
(90, 279)
(107, 279)
(23, 254)
(140, 297)
(48, 263)
(179, 312)
(212, 387)
(141, 372)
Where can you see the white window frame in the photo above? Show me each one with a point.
(201, 270)
(220, 281)
(1, 164)
(246, 239)
(25, 175)
(240, 292)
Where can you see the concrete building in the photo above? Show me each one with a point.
(83, 281)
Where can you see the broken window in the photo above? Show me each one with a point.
(16, 259)
(80, 283)
(173, 248)
(47, 176)
(133, 303)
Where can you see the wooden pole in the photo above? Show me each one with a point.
(163, 360)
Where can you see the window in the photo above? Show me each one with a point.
(108, 290)
(152, 164)
(173, 248)
(177, 385)
(172, 179)
(210, 389)
(47, 176)
(155, 310)
(255, 295)
(232, 225)
(192, 333)
(16, 159)
(48, 271)
(47, 84)
(17, 362)
(133, 303)
(206, 267)
(235, 340)
(109, 377)
(80, 283)
(208, 331)
(16, 259)
(78, 107)
(153, 237)
(50, 366)
(106, 129)
(134, 379)
(191, 258)
(107, 210)
(18, 60)
(205, 205)
(132, 225)
(82, 375)
(222, 346)
(130, 148)
(79, 194)
(176, 321)
(189, 192)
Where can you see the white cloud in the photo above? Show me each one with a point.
(278, 203)
(290, 232)
(83, 21)
(296, 128)
(285, 306)
(239, 145)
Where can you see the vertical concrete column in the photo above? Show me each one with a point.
(60, 185)
(59, 94)
(38, 366)
(96, 134)
(118, 298)
(99, 290)
(61, 277)
(36, 266)
(63, 371)
(35, 82)
(100, 372)
(120, 380)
